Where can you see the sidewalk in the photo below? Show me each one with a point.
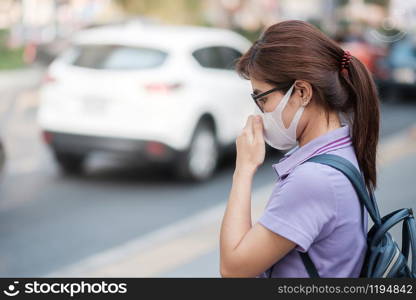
(190, 248)
(21, 78)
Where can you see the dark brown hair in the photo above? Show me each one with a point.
(292, 50)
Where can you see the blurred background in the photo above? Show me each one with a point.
(118, 120)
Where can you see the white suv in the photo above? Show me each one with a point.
(160, 93)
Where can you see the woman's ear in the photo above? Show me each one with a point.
(305, 91)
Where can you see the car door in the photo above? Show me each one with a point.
(229, 93)
(239, 89)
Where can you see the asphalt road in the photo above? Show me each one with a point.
(49, 221)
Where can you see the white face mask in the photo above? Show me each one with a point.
(275, 132)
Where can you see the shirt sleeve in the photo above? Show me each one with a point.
(301, 205)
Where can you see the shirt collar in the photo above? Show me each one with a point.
(332, 140)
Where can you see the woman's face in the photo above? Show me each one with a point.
(269, 102)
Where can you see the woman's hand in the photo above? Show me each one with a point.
(251, 149)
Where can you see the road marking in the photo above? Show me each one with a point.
(165, 249)
(162, 249)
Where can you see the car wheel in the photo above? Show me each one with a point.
(70, 163)
(199, 162)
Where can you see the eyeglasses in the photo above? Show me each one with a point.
(258, 97)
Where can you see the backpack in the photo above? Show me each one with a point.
(383, 258)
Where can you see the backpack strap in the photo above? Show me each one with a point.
(409, 240)
(310, 267)
(410, 235)
(392, 220)
(357, 180)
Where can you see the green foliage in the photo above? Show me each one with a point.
(3, 37)
(250, 35)
(9, 58)
(384, 3)
(177, 11)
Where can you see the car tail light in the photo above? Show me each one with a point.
(162, 87)
(48, 78)
(47, 137)
(155, 148)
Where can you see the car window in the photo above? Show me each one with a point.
(208, 58)
(229, 56)
(217, 57)
(115, 57)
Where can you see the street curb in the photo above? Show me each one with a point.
(17, 78)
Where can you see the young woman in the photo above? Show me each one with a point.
(312, 93)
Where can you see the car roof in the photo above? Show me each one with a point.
(163, 37)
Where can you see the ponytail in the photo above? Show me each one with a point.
(366, 118)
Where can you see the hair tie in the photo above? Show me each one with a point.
(345, 60)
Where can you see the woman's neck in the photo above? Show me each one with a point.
(319, 126)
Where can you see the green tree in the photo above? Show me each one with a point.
(176, 11)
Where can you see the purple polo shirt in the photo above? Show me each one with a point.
(316, 207)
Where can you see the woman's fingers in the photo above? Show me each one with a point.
(250, 143)
(258, 129)
(248, 128)
(253, 129)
